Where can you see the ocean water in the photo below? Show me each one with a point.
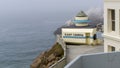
(27, 26)
(21, 42)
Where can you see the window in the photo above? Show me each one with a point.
(78, 34)
(66, 34)
(111, 48)
(112, 19)
(113, 25)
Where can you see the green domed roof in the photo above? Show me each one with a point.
(81, 14)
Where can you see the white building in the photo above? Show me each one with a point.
(81, 32)
(77, 35)
(111, 25)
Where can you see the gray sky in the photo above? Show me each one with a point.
(48, 5)
(35, 8)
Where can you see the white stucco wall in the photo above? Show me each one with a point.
(81, 18)
(82, 31)
(111, 38)
(110, 42)
(82, 24)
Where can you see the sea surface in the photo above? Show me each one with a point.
(27, 26)
(23, 36)
(22, 41)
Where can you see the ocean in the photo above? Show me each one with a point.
(27, 26)
(22, 41)
(25, 34)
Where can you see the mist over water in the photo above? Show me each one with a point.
(21, 43)
(22, 40)
(27, 26)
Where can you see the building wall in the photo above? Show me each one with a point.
(85, 24)
(68, 35)
(108, 43)
(74, 39)
(111, 38)
(107, 27)
(81, 18)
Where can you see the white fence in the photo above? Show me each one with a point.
(62, 62)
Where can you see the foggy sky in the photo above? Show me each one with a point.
(30, 9)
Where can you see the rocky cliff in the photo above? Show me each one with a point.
(49, 57)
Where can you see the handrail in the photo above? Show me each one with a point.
(63, 60)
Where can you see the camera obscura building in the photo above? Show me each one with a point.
(81, 32)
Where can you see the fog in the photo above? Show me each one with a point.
(36, 10)
(27, 26)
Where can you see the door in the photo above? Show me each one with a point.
(87, 38)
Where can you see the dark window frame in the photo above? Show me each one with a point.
(112, 13)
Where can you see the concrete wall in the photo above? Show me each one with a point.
(62, 62)
(76, 63)
(103, 60)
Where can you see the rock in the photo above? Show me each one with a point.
(51, 57)
(44, 60)
(36, 63)
(51, 63)
(43, 66)
(58, 52)
(58, 58)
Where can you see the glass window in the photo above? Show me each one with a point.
(113, 48)
(111, 18)
(113, 14)
(113, 25)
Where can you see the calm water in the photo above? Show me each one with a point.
(24, 36)
(27, 26)
(21, 42)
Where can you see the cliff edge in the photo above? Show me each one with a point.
(49, 57)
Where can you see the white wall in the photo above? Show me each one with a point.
(78, 31)
(81, 18)
(116, 6)
(108, 42)
(111, 38)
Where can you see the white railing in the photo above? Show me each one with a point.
(62, 62)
